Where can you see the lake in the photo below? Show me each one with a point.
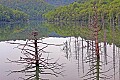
(75, 49)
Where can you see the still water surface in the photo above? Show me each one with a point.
(73, 67)
(69, 53)
(7, 51)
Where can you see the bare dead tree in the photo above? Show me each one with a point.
(119, 61)
(35, 64)
(93, 52)
(94, 58)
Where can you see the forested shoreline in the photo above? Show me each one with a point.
(11, 15)
(108, 12)
(33, 8)
(80, 10)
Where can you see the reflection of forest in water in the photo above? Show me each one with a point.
(106, 34)
(20, 31)
(80, 46)
(14, 31)
(83, 51)
(77, 53)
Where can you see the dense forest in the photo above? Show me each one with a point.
(21, 31)
(68, 29)
(60, 2)
(34, 8)
(8, 15)
(29, 9)
(108, 10)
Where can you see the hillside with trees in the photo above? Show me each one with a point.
(108, 11)
(57, 3)
(34, 8)
(82, 1)
(11, 15)
(60, 2)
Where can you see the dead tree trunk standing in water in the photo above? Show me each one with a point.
(35, 64)
(105, 35)
(95, 26)
(94, 58)
(36, 56)
(119, 21)
(113, 37)
(119, 61)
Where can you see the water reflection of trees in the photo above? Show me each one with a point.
(18, 31)
(108, 35)
(83, 52)
(94, 52)
(34, 62)
(94, 59)
(75, 29)
(8, 29)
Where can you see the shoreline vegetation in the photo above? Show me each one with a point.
(77, 13)
(82, 12)
(75, 29)
(11, 15)
(28, 9)
(63, 29)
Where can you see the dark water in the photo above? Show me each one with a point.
(74, 51)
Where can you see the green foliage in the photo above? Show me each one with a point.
(60, 2)
(34, 8)
(82, 1)
(8, 15)
(78, 11)
(21, 30)
(74, 29)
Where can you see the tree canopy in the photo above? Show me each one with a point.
(34, 8)
(78, 11)
(8, 15)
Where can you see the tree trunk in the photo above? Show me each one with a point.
(37, 60)
(110, 21)
(119, 21)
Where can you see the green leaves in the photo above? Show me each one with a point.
(9, 15)
(34, 8)
(76, 11)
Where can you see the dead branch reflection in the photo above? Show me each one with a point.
(34, 62)
(83, 51)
